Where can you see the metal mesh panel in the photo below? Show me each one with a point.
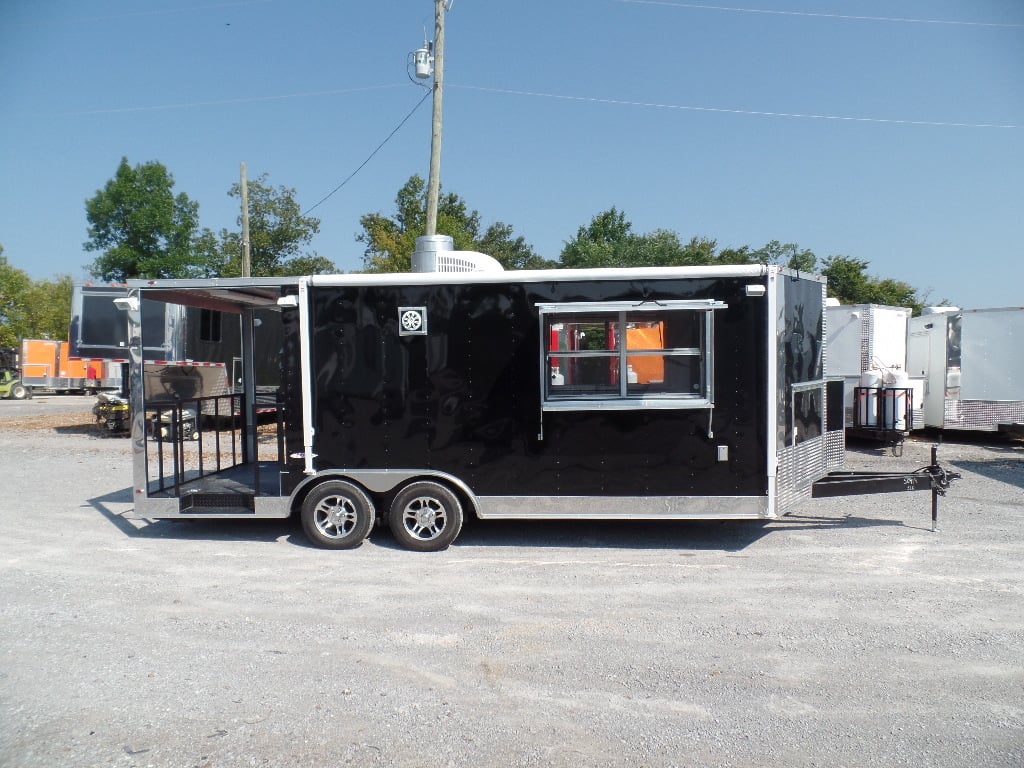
(799, 466)
(984, 415)
(917, 417)
(835, 449)
(867, 333)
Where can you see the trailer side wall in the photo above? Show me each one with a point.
(465, 397)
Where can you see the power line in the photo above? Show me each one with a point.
(845, 17)
(368, 159)
(722, 110)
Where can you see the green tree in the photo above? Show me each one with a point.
(788, 254)
(609, 241)
(605, 242)
(50, 301)
(390, 240)
(742, 255)
(142, 228)
(510, 251)
(847, 279)
(849, 282)
(278, 232)
(14, 286)
(32, 309)
(700, 250)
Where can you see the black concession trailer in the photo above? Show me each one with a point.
(418, 399)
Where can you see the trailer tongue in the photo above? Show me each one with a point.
(932, 478)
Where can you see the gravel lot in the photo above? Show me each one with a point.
(848, 634)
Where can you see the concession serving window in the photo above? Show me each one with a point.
(627, 355)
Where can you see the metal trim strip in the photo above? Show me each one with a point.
(771, 366)
(305, 356)
(622, 507)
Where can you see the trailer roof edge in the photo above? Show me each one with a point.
(420, 278)
(541, 275)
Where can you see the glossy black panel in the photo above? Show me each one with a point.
(835, 418)
(801, 346)
(465, 398)
(802, 340)
(291, 395)
(808, 414)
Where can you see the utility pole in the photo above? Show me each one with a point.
(434, 180)
(246, 262)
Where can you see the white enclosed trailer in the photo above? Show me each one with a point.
(973, 367)
(867, 349)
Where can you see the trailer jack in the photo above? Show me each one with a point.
(932, 478)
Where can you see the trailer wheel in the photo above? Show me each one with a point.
(425, 517)
(337, 515)
(19, 392)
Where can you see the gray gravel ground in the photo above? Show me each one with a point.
(846, 635)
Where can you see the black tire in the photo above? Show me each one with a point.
(19, 392)
(337, 515)
(425, 517)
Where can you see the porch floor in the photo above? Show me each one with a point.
(238, 480)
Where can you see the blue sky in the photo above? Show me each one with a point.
(891, 131)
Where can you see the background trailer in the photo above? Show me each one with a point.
(47, 364)
(867, 348)
(175, 335)
(972, 365)
(418, 398)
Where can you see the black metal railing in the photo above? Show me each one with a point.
(193, 439)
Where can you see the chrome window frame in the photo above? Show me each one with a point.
(624, 400)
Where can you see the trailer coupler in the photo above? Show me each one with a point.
(932, 478)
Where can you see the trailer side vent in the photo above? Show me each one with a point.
(412, 321)
(467, 261)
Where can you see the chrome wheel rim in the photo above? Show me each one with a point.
(425, 517)
(335, 517)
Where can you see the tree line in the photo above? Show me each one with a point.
(140, 228)
(32, 309)
(607, 241)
